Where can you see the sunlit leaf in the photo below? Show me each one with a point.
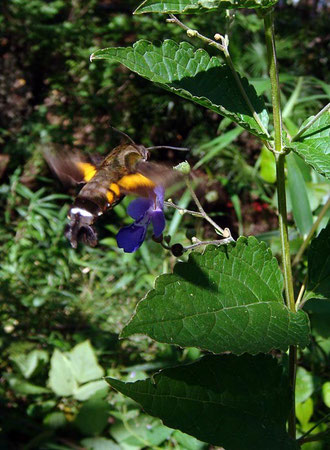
(61, 377)
(194, 75)
(227, 299)
(198, 6)
(314, 144)
(84, 363)
(220, 400)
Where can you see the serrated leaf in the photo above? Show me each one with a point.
(198, 6)
(227, 299)
(194, 75)
(314, 144)
(318, 285)
(223, 400)
(61, 377)
(84, 363)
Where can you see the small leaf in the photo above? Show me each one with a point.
(267, 166)
(23, 387)
(318, 285)
(304, 411)
(326, 393)
(227, 299)
(299, 199)
(140, 430)
(304, 385)
(87, 390)
(198, 6)
(314, 144)
(84, 363)
(194, 75)
(223, 400)
(29, 363)
(93, 417)
(55, 419)
(99, 443)
(61, 376)
(187, 442)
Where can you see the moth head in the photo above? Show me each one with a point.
(80, 228)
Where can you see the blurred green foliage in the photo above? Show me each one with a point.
(52, 297)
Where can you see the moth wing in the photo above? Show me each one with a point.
(71, 168)
(148, 175)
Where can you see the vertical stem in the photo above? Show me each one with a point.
(282, 218)
(273, 73)
(281, 196)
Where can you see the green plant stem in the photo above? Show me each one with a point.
(311, 232)
(281, 199)
(273, 73)
(310, 123)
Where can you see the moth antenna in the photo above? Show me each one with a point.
(123, 134)
(180, 149)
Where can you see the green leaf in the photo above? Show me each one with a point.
(227, 299)
(314, 144)
(99, 443)
(267, 166)
(93, 417)
(318, 285)
(61, 376)
(87, 390)
(55, 419)
(198, 6)
(29, 363)
(140, 432)
(304, 385)
(304, 411)
(194, 75)
(84, 363)
(221, 400)
(187, 442)
(326, 393)
(23, 387)
(299, 199)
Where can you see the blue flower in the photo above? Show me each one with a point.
(143, 211)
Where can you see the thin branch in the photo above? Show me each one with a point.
(224, 233)
(216, 242)
(303, 438)
(183, 210)
(223, 47)
(310, 123)
(311, 232)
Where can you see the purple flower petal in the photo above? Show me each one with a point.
(160, 193)
(158, 222)
(131, 237)
(138, 207)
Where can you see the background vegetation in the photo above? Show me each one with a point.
(54, 298)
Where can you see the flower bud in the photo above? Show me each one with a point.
(183, 167)
(177, 250)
